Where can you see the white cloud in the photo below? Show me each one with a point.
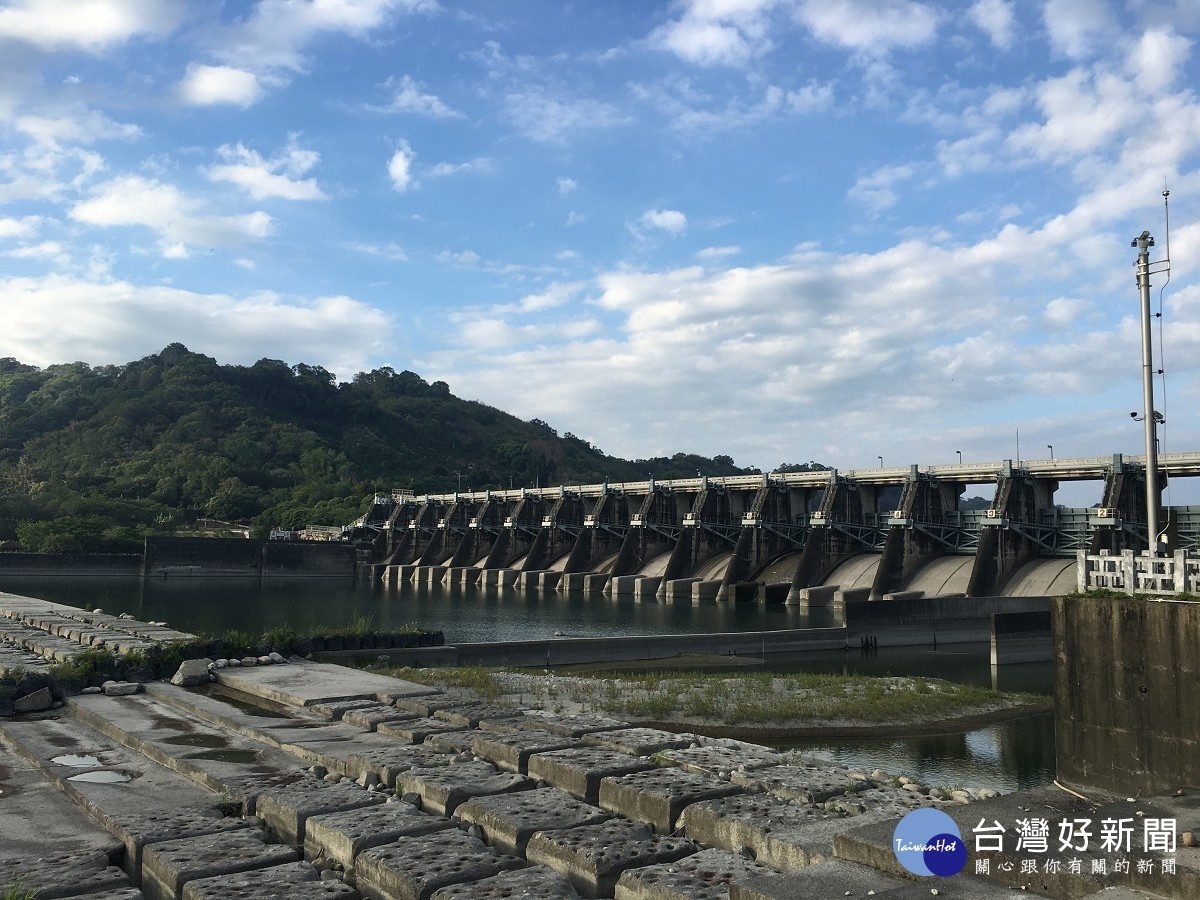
(480, 164)
(995, 19)
(19, 228)
(671, 221)
(400, 167)
(51, 319)
(1077, 28)
(92, 26)
(691, 110)
(566, 185)
(179, 220)
(877, 190)
(408, 98)
(262, 178)
(211, 85)
(710, 253)
(51, 251)
(82, 126)
(543, 117)
(724, 32)
(869, 26)
(1157, 60)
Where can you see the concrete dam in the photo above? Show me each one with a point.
(808, 538)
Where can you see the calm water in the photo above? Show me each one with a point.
(1005, 756)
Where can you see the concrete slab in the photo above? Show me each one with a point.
(443, 788)
(341, 836)
(510, 820)
(168, 866)
(593, 858)
(277, 881)
(536, 883)
(370, 718)
(797, 781)
(579, 770)
(720, 761)
(780, 833)
(413, 868)
(470, 715)
(389, 762)
(416, 729)
(427, 704)
(66, 874)
(511, 752)
(303, 683)
(137, 829)
(335, 710)
(285, 810)
(703, 876)
(639, 741)
(571, 726)
(452, 741)
(391, 698)
(658, 797)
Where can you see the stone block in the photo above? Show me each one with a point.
(510, 820)
(335, 709)
(575, 726)
(720, 761)
(579, 770)
(37, 701)
(443, 788)
(341, 836)
(412, 868)
(593, 858)
(136, 830)
(451, 741)
(122, 688)
(63, 874)
(168, 866)
(285, 810)
(706, 875)
(414, 730)
(536, 883)
(798, 781)
(639, 741)
(470, 715)
(276, 881)
(779, 833)
(511, 752)
(369, 718)
(191, 672)
(658, 797)
(424, 705)
(388, 763)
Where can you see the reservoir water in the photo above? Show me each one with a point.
(1005, 756)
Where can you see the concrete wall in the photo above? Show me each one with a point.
(70, 564)
(288, 557)
(1125, 675)
(238, 556)
(933, 620)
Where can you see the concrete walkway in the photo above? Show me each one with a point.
(309, 779)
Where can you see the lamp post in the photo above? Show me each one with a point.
(880, 458)
(1050, 447)
(1143, 243)
(959, 452)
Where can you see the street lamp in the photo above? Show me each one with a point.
(1050, 447)
(880, 458)
(959, 452)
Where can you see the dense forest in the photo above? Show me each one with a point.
(93, 458)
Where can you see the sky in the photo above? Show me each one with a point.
(779, 230)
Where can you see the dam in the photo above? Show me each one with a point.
(817, 538)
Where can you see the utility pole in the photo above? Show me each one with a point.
(1143, 243)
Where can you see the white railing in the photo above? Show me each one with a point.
(1139, 573)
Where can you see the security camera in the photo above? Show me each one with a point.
(1133, 415)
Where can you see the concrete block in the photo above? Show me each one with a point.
(137, 830)
(425, 705)
(572, 582)
(717, 760)
(67, 874)
(511, 752)
(443, 788)
(341, 836)
(510, 820)
(679, 588)
(646, 588)
(835, 878)
(277, 881)
(706, 875)
(621, 585)
(168, 866)
(124, 688)
(705, 590)
(658, 797)
(798, 781)
(639, 741)
(389, 762)
(472, 715)
(596, 582)
(369, 718)
(536, 883)
(335, 710)
(851, 596)
(779, 833)
(507, 577)
(579, 770)
(412, 868)
(571, 726)
(285, 810)
(593, 858)
(414, 730)
(813, 597)
(451, 741)
(548, 581)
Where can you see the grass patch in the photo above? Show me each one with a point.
(477, 679)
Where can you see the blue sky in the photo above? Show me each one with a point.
(780, 230)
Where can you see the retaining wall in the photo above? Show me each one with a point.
(239, 556)
(1126, 718)
(70, 564)
(933, 620)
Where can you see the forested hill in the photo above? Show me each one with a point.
(100, 455)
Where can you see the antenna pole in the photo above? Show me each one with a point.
(1143, 243)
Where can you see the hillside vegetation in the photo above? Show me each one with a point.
(95, 457)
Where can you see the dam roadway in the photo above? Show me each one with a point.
(808, 538)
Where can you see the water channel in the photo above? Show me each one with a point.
(1006, 756)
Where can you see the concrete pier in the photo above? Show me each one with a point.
(251, 790)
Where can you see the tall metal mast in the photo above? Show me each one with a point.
(1143, 243)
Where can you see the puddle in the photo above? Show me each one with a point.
(76, 762)
(197, 740)
(241, 703)
(233, 756)
(105, 776)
